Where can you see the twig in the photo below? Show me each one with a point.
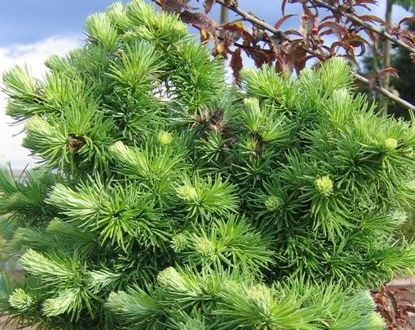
(404, 104)
(250, 18)
(258, 22)
(366, 25)
(264, 25)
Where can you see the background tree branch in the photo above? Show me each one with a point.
(366, 25)
(290, 53)
(385, 92)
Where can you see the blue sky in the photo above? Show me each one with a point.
(32, 30)
(25, 21)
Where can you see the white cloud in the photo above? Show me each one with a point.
(33, 55)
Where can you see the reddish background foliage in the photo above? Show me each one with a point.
(396, 304)
(326, 29)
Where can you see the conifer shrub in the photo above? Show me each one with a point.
(167, 199)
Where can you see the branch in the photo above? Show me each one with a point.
(366, 25)
(267, 27)
(404, 104)
(250, 18)
(264, 25)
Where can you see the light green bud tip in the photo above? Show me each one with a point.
(205, 247)
(20, 299)
(164, 137)
(252, 103)
(273, 203)
(366, 299)
(341, 94)
(259, 293)
(409, 152)
(390, 144)
(170, 278)
(179, 242)
(36, 124)
(324, 185)
(251, 144)
(376, 321)
(118, 148)
(187, 193)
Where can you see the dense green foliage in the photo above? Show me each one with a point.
(178, 202)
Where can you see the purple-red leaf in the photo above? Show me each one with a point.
(332, 27)
(173, 5)
(239, 29)
(236, 65)
(372, 19)
(282, 20)
(208, 5)
(388, 72)
(407, 20)
(201, 21)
